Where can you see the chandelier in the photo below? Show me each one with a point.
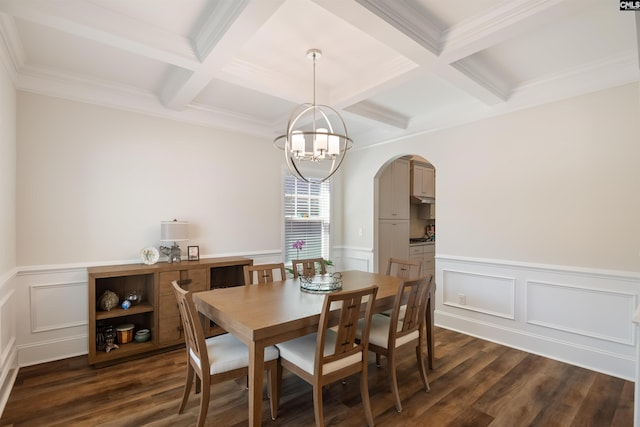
(316, 140)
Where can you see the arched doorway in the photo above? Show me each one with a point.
(405, 219)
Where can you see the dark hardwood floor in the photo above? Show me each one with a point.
(474, 383)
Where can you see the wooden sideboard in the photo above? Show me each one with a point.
(158, 310)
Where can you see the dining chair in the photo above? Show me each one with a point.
(263, 273)
(308, 267)
(217, 359)
(409, 269)
(330, 355)
(388, 334)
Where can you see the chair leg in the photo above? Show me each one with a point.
(187, 388)
(364, 393)
(317, 405)
(422, 368)
(274, 389)
(205, 395)
(378, 360)
(393, 379)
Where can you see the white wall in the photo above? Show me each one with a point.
(556, 184)
(94, 184)
(537, 225)
(536, 204)
(7, 230)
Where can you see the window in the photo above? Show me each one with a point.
(306, 217)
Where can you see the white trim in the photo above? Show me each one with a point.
(33, 292)
(507, 315)
(628, 339)
(618, 274)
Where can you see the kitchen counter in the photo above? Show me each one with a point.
(411, 244)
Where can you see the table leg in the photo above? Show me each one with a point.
(256, 374)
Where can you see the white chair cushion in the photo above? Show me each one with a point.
(403, 310)
(379, 331)
(227, 352)
(302, 353)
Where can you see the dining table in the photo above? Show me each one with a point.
(269, 313)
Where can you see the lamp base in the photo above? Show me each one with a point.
(174, 253)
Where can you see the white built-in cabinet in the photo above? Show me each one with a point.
(393, 213)
(393, 192)
(423, 181)
(425, 253)
(393, 238)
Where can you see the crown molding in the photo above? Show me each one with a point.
(11, 50)
(106, 94)
(92, 22)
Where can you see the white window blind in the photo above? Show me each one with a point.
(306, 217)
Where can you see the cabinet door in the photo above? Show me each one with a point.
(393, 242)
(429, 182)
(169, 323)
(393, 191)
(423, 181)
(429, 262)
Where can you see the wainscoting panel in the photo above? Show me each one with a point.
(599, 314)
(483, 293)
(46, 301)
(8, 350)
(576, 315)
(348, 258)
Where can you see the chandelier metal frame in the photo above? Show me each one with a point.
(330, 140)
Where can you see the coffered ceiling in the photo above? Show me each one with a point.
(392, 67)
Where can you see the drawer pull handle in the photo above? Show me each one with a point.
(184, 282)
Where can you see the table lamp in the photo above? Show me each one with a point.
(173, 231)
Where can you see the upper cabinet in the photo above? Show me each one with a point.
(394, 191)
(423, 181)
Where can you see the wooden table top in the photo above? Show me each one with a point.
(261, 312)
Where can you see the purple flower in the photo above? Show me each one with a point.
(298, 244)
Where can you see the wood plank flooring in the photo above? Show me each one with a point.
(474, 383)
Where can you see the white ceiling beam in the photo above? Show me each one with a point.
(89, 21)
(379, 114)
(503, 22)
(414, 47)
(217, 48)
(412, 33)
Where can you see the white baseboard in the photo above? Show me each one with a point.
(617, 365)
(48, 351)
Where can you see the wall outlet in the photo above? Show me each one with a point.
(462, 299)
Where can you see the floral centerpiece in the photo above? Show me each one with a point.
(298, 245)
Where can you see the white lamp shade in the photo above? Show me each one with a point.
(334, 145)
(297, 143)
(320, 144)
(174, 231)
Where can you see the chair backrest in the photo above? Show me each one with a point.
(347, 308)
(409, 269)
(193, 332)
(412, 294)
(308, 267)
(263, 273)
